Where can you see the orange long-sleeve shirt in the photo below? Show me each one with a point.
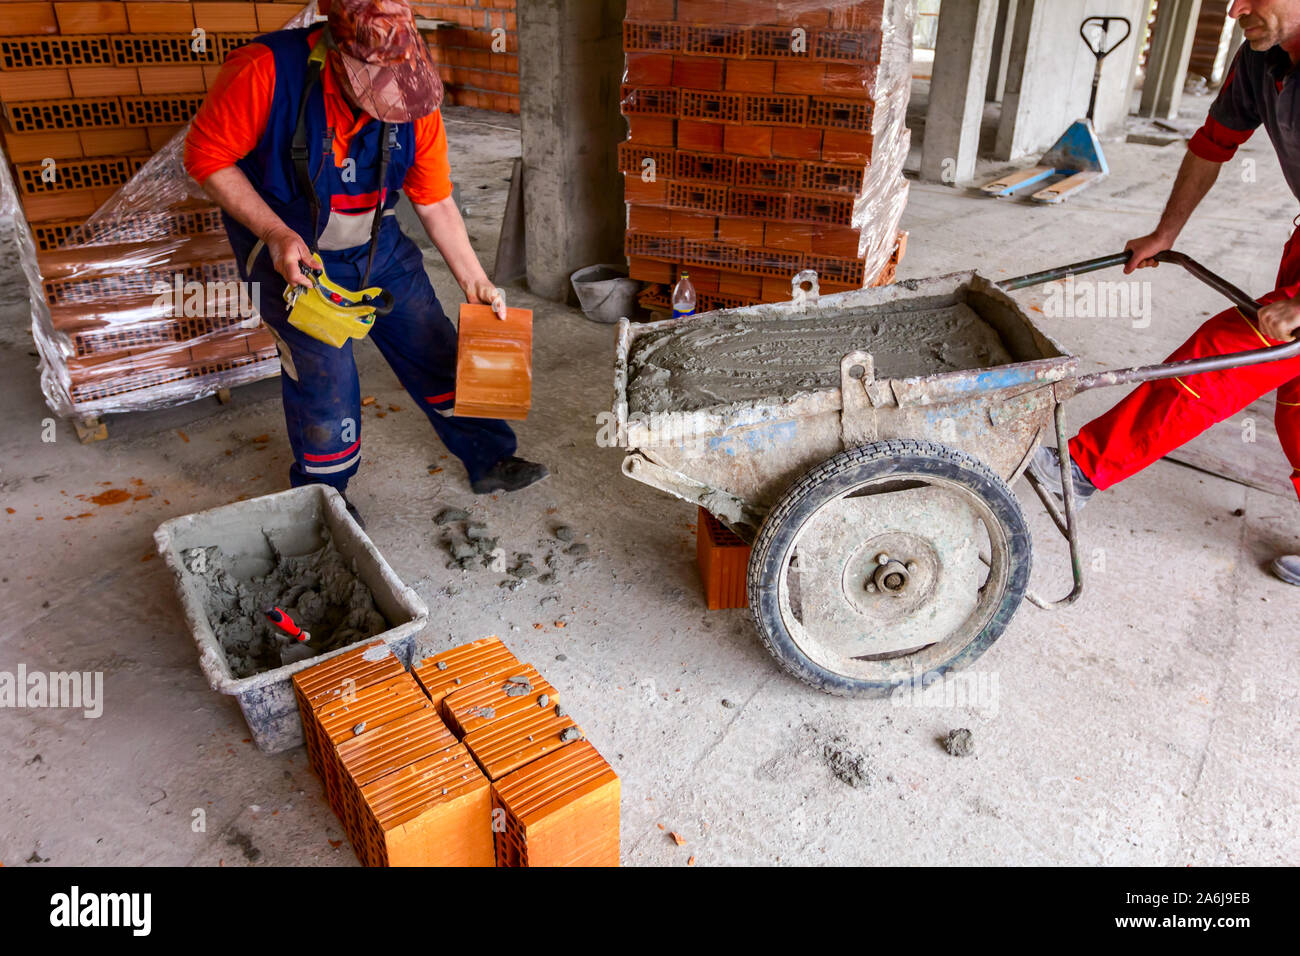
(233, 117)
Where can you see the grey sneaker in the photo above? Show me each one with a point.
(1046, 467)
(1287, 568)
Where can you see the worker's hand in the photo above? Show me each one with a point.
(1144, 250)
(288, 251)
(483, 292)
(1280, 320)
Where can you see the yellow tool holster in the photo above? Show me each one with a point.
(330, 313)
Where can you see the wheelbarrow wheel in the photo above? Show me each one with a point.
(888, 566)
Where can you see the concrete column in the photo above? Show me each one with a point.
(961, 68)
(570, 69)
(1171, 49)
(1001, 50)
(1018, 39)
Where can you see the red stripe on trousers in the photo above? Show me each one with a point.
(343, 454)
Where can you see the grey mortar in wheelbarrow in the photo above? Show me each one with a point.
(887, 545)
(864, 443)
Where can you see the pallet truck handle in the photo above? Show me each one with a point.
(1101, 51)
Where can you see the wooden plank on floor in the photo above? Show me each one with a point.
(1222, 451)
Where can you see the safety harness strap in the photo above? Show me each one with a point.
(301, 156)
(299, 151)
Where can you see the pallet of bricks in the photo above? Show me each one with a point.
(476, 51)
(468, 759)
(766, 137)
(93, 97)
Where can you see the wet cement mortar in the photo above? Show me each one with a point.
(319, 590)
(737, 360)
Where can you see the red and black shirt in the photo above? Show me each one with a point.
(1261, 89)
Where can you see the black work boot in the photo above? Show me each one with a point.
(356, 515)
(510, 474)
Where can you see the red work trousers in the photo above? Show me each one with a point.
(1158, 417)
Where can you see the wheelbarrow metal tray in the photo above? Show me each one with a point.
(736, 458)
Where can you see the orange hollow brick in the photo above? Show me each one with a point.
(560, 810)
(381, 750)
(750, 76)
(445, 672)
(28, 19)
(650, 270)
(792, 143)
(723, 557)
(494, 365)
(520, 738)
(335, 678)
(486, 701)
(349, 716)
(697, 73)
(435, 812)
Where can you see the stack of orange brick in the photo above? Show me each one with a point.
(91, 91)
(478, 57)
(97, 88)
(407, 792)
(414, 765)
(755, 130)
(556, 799)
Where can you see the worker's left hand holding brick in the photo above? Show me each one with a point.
(483, 292)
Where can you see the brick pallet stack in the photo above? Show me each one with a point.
(766, 137)
(91, 91)
(478, 57)
(468, 761)
(98, 88)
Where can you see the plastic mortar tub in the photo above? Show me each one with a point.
(294, 520)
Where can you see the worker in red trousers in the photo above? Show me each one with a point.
(307, 140)
(1262, 88)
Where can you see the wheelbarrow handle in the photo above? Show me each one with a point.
(1147, 373)
(1238, 298)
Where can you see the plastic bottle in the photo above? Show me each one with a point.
(683, 297)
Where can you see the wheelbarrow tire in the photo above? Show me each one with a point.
(895, 458)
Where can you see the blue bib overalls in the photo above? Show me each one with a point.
(322, 395)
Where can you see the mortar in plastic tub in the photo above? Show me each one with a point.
(605, 293)
(295, 522)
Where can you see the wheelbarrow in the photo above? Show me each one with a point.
(887, 547)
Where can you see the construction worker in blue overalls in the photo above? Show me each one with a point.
(305, 141)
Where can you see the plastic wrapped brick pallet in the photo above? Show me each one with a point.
(140, 306)
(766, 137)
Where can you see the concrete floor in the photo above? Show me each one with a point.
(1151, 723)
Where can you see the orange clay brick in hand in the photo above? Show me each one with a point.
(494, 363)
(560, 810)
